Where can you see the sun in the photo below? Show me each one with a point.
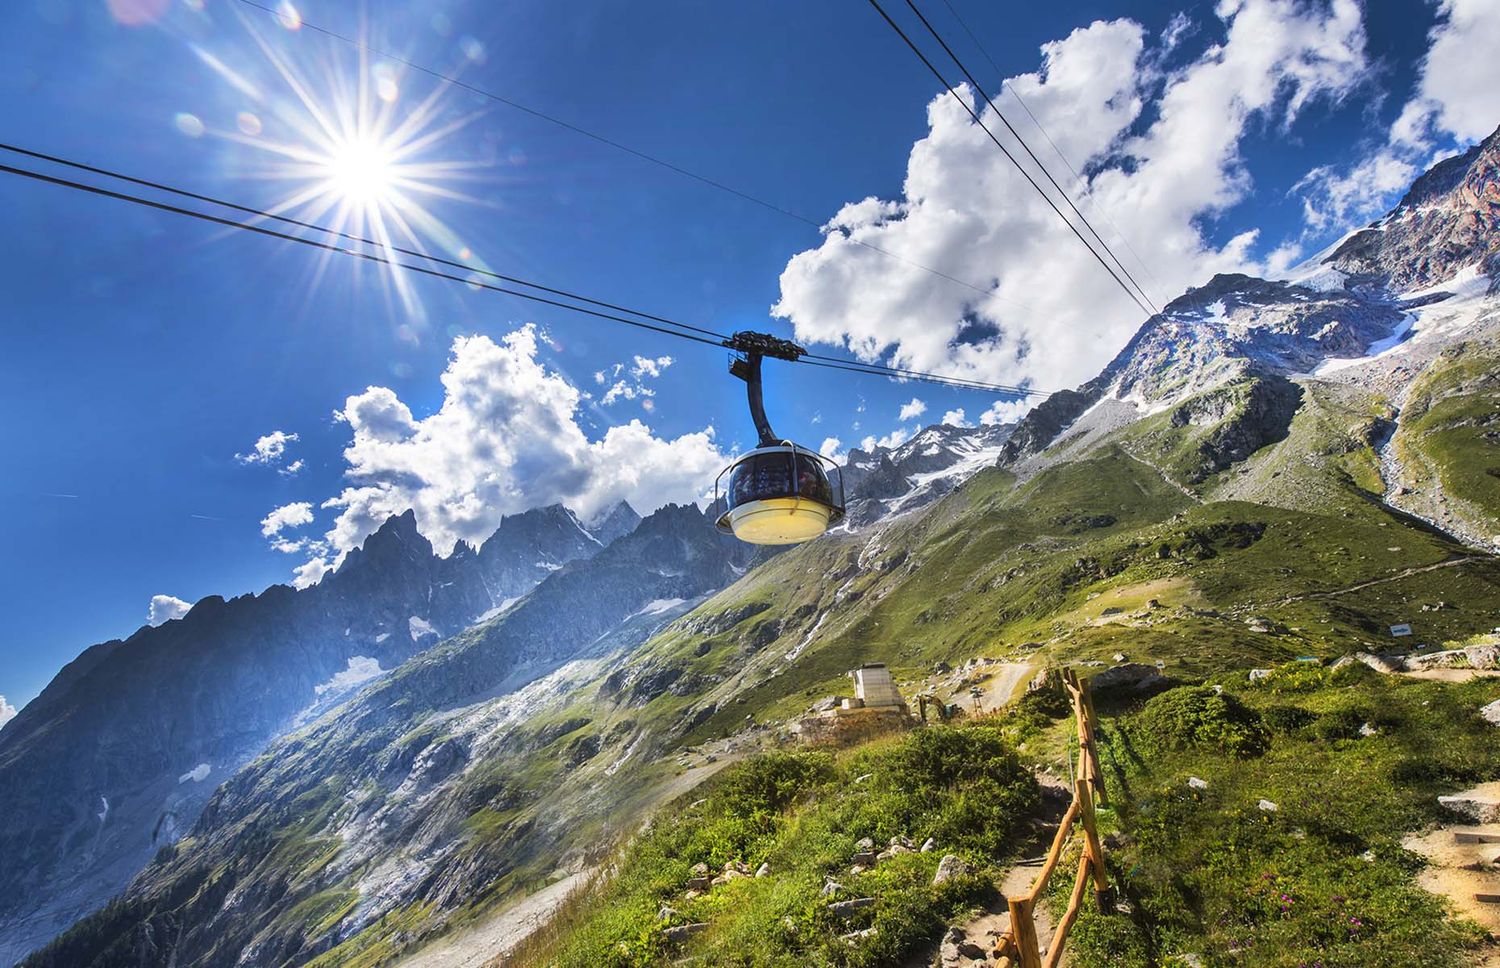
(360, 170)
(355, 152)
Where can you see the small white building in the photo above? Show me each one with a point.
(873, 687)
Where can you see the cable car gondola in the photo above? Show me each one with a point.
(780, 492)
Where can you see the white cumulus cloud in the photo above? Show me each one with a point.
(956, 418)
(165, 608)
(1453, 105)
(912, 410)
(293, 515)
(268, 449)
(831, 447)
(7, 711)
(1161, 157)
(506, 438)
(1005, 411)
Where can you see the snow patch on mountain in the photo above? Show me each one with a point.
(361, 669)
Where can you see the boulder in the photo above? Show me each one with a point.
(1128, 675)
(700, 869)
(864, 843)
(948, 868)
(1481, 809)
(1491, 713)
(683, 931)
(929, 845)
(698, 883)
(865, 858)
(1377, 662)
(763, 870)
(1483, 656)
(846, 909)
(1268, 806)
(1197, 783)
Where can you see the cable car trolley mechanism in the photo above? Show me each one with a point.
(778, 493)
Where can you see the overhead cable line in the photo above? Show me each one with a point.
(668, 327)
(1037, 122)
(287, 220)
(1029, 153)
(612, 143)
(1024, 173)
(330, 247)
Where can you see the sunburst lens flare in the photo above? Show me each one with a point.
(360, 171)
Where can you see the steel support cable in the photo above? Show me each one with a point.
(330, 247)
(718, 341)
(610, 142)
(1055, 149)
(1029, 153)
(977, 120)
(287, 220)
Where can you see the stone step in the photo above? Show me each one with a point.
(1478, 836)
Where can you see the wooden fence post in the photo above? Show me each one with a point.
(1098, 773)
(1023, 927)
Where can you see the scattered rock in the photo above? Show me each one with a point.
(972, 951)
(1118, 657)
(1257, 675)
(865, 858)
(1483, 656)
(831, 887)
(698, 884)
(700, 869)
(929, 845)
(683, 931)
(864, 843)
(667, 912)
(1197, 783)
(1480, 809)
(763, 870)
(857, 870)
(1268, 806)
(1491, 713)
(1377, 662)
(1366, 730)
(948, 868)
(860, 779)
(845, 909)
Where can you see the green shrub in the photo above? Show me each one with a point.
(1199, 717)
(1286, 718)
(1340, 724)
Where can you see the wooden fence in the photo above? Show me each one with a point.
(1019, 947)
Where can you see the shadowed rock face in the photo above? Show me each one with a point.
(398, 757)
(117, 756)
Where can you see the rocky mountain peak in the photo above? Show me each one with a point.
(618, 521)
(1448, 222)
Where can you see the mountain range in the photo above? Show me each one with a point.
(343, 774)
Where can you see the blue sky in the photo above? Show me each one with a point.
(143, 352)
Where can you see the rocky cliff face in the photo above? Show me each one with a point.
(117, 756)
(1448, 222)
